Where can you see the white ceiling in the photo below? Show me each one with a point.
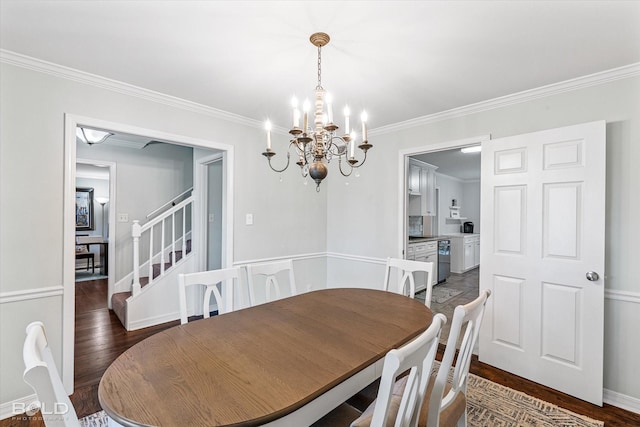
(399, 59)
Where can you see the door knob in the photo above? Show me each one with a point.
(592, 276)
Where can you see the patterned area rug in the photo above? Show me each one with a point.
(488, 404)
(491, 404)
(99, 419)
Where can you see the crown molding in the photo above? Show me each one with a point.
(46, 67)
(56, 70)
(595, 79)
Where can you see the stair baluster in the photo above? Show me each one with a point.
(150, 255)
(136, 232)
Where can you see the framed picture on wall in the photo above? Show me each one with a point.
(84, 209)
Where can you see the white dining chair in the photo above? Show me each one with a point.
(42, 375)
(228, 279)
(268, 272)
(447, 400)
(405, 283)
(403, 385)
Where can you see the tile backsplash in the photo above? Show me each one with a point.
(415, 226)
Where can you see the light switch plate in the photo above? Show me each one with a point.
(123, 217)
(249, 219)
(211, 217)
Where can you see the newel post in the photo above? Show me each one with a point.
(136, 232)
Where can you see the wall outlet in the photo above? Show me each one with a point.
(249, 219)
(211, 217)
(123, 217)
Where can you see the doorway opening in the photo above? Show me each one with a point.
(442, 192)
(124, 137)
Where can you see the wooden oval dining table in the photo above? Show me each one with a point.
(287, 362)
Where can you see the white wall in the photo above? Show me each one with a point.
(471, 203)
(363, 218)
(289, 218)
(449, 188)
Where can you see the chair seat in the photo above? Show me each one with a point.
(342, 416)
(448, 417)
(367, 416)
(407, 366)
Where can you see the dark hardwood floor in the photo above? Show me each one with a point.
(101, 338)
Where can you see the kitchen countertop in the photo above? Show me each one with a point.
(464, 235)
(427, 239)
(442, 237)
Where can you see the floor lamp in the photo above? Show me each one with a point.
(103, 201)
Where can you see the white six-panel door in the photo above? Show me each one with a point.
(543, 208)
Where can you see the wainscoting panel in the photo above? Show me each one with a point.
(352, 271)
(621, 320)
(17, 310)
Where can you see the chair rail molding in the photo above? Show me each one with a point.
(626, 296)
(29, 294)
(298, 257)
(358, 258)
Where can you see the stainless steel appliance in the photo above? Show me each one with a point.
(467, 227)
(444, 260)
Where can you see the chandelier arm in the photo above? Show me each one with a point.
(362, 162)
(271, 166)
(340, 168)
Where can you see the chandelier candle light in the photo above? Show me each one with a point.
(317, 145)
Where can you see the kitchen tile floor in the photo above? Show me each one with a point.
(468, 283)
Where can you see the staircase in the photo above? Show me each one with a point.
(149, 294)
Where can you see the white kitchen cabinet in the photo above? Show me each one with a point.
(467, 260)
(426, 251)
(421, 184)
(428, 174)
(476, 251)
(465, 252)
(413, 180)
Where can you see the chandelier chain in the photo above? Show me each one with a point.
(319, 68)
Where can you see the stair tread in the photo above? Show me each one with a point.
(119, 299)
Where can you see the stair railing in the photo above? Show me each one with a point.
(183, 210)
(171, 202)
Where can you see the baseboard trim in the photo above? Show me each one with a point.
(152, 321)
(28, 294)
(6, 409)
(621, 401)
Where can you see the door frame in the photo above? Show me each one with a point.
(201, 186)
(111, 240)
(71, 121)
(403, 161)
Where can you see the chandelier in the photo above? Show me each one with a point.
(316, 146)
